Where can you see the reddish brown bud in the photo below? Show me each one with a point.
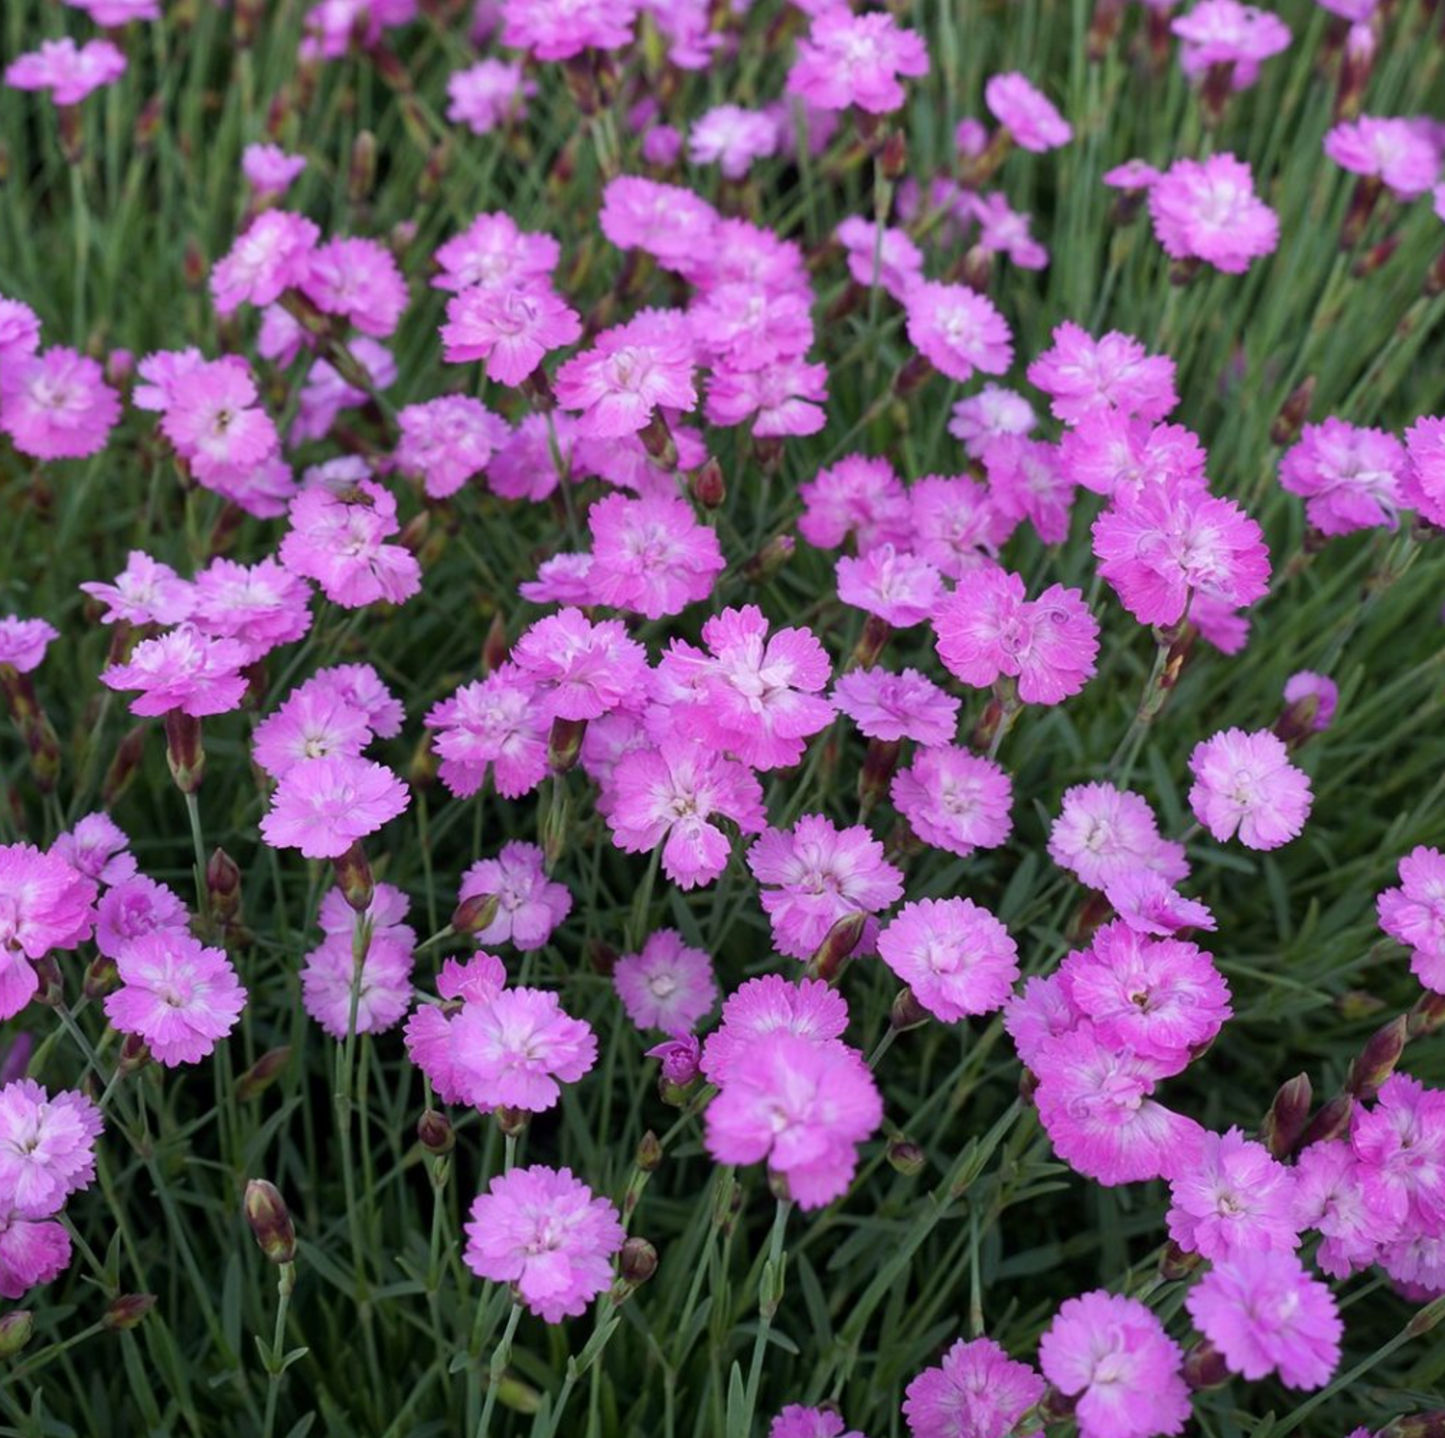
(473, 915)
(185, 750)
(1428, 1015)
(602, 957)
(494, 646)
(840, 941)
(361, 174)
(354, 878)
(1204, 1366)
(877, 772)
(1378, 1059)
(770, 559)
(707, 486)
(907, 1012)
(637, 1262)
(649, 1153)
(1288, 1114)
(1416, 1425)
(1293, 413)
(101, 976)
(435, 1133)
(223, 884)
(893, 157)
(564, 743)
(512, 1121)
(870, 643)
(1176, 1265)
(134, 1055)
(906, 1157)
(123, 766)
(270, 1221)
(1332, 1121)
(51, 990)
(263, 1073)
(127, 1311)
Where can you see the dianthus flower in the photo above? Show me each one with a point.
(579, 670)
(178, 996)
(957, 958)
(383, 989)
(1149, 904)
(358, 280)
(558, 32)
(1161, 999)
(669, 222)
(1170, 541)
(1095, 1103)
(1232, 1198)
(526, 465)
(986, 628)
(630, 370)
(271, 256)
(184, 669)
(1112, 454)
(764, 1008)
(958, 330)
(956, 524)
(781, 400)
(56, 404)
(976, 1391)
(325, 394)
(1413, 914)
(1224, 32)
(954, 800)
(1400, 1145)
(858, 496)
(23, 642)
(1002, 230)
(848, 59)
(133, 908)
(262, 605)
(19, 330)
(1040, 1011)
(97, 848)
(488, 94)
(144, 592)
(802, 1106)
(1028, 116)
(814, 875)
(311, 723)
(668, 986)
(69, 71)
(1264, 1313)
(1350, 478)
(1102, 833)
(447, 441)
(44, 905)
(674, 796)
(796, 1421)
(732, 138)
(323, 806)
(651, 555)
(1390, 150)
(430, 1037)
(898, 587)
(741, 250)
(746, 326)
(31, 1252)
(510, 327)
(1245, 783)
(269, 170)
(1082, 375)
(47, 1147)
(494, 721)
(1207, 210)
(360, 686)
(898, 260)
(1027, 481)
(514, 1048)
(993, 413)
(1425, 478)
(1329, 1197)
(1113, 1356)
(891, 707)
(339, 541)
(214, 421)
(1319, 691)
(541, 1230)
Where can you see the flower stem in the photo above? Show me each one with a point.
(497, 1367)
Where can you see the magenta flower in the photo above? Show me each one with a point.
(579, 670)
(269, 170)
(430, 1032)
(19, 330)
(359, 281)
(1226, 33)
(495, 722)
(1112, 1355)
(993, 413)
(764, 1008)
(1149, 904)
(183, 669)
(618, 384)
(31, 1253)
(339, 540)
(1245, 784)
(97, 848)
(133, 908)
(1349, 478)
(898, 587)
(529, 905)
(1040, 1011)
(732, 138)
(857, 496)
(1207, 210)
(899, 261)
(1027, 481)
(553, 32)
(69, 71)
(56, 404)
(802, 1106)
(541, 1230)
(1112, 454)
(262, 606)
(44, 905)
(815, 874)
(1413, 914)
(181, 998)
(782, 400)
(958, 959)
(890, 706)
(1400, 1145)
(958, 330)
(514, 1048)
(525, 466)
(23, 642)
(651, 555)
(1307, 685)
(745, 325)
(1395, 152)
(447, 441)
(511, 328)
(795, 1421)
(668, 986)
(861, 60)
(1329, 1198)
(669, 222)
(956, 524)
(1004, 231)
(47, 1147)
(955, 800)
(324, 806)
(976, 1391)
(383, 991)
(1425, 478)
(1233, 1199)
(1102, 833)
(1171, 541)
(213, 419)
(492, 251)
(678, 1059)
(313, 722)
(1264, 1313)
(144, 592)
(1028, 115)
(271, 256)
(488, 94)
(1082, 375)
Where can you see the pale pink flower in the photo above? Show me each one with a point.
(510, 327)
(733, 138)
(558, 32)
(1227, 33)
(493, 252)
(184, 669)
(781, 400)
(67, 70)
(47, 1147)
(447, 441)
(44, 905)
(1392, 151)
(312, 722)
(976, 1391)
(1208, 210)
(514, 1048)
(1350, 478)
(1028, 115)
(1028, 481)
(651, 555)
(1425, 479)
(898, 261)
(993, 413)
(97, 848)
(848, 59)
(956, 524)
(958, 330)
(492, 722)
(488, 94)
(1413, 914)
(133, 908)
(1231, 1199)
(339, 540)
(858, 496)
(1081, 375)
(383, 987)
(144, 592)
(359, 281)
(618, 384)
(31, 1253)
(269, 170)
(957, 958)
(262, 606)
(955, 800)
(579, 670)
(1112, 454)
(323, 806)
(178, 996)
(668, 986)
(23, 642)
(529, 904)
(891, 707)
(669, 222)
(1102, 833)
(764, 1008)
(271, 256)
(1245, 784)
(56, 404)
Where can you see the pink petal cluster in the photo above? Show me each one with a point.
(1207, 210)
(669, 985)
(1245, 784)
(976, 1391)
(529, 904)
(956, 957)
(955, 800)
(1413, 913)
(1350, 478)
(180, 997)
(380, 976)
(861, 60)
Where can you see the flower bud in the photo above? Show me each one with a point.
(1362, 206)
(649, 1153)
(16, 1328)
(123, 766)
(435, 1133)
(564, 743)
(907, 1012)
(637, 1262)
(127, 1311)
(270, 1221)
(476, 914)
(1293, 413)
(1204, 1366)
(494, 646)
(101, 976)
(263, 1073)
(1332, 1121)
(134, 1055)
(893, 157)
(1377, 1060)
(1175, 1264)
(906, 1157)
(707, 486)
(658, 442)
(1356, 1004)
(223, 884)
(512, 1121)
(1427, 1016)
(1287, 1116)
(601, 957)
(870, 643)
(876, 774)
(839, 942)
(361, 175)
(185, 752)
(1416, 1425)
(51, 990)
(354, 878)
(770, 559)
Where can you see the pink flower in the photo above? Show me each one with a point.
(678, 1059)
(510, 327)
(763, 1009)
(271, 256)
(1329, 1197)
(1393, 151)
(495, 722)
(1133, 176)
(802, 1106)
(668, 986)
(69, 71)
(993, 413)
(1425, 478)
(56, 405)
(753, 696)
(977, 1391)
(1349, 478)
(956, 524)
(848, 59)
(360, 686)
(1146, 901)
(955, 800)
(262, 606)
(541, 1230)
(732, 138)
(44, 905)
(553, 32)
(133, 908)
(1413, 914)
(23, 642)
(1307, 686)
(144, 592)
(1095, 1102)
(313, 722)
(1040, 1011)
(214, 422)
(1160, 999)
(820, 874)
(430, 1033)
(1082, 376)
(669, 222)
(1026, 481)
(781, 400)
(447, 441)
(958, 959)
(1232, 1199)
(529, 904)
(958, 330)
(19, 330)
(668, 796)
(579, 670)
(795, 1421)
(488, 94)
(890, 706)
(1207, 210)
(492, 251)
(269, 170)
(323, 806)
(1004, 231)
(1028, 116)
(183, 669)
(1264, 1313)
(899, 261)
(525, 466)
(514, 1048)
(181, 998)
(47, 1147)
(358, 280)
(1110, 453)
(857, 496)
(1113, 1355)
(747, 326)
(630, 370)
(325, 394)
(383, 989)
(986, 628)
(651, 555)
(1245, 783)
(1102, 833)
(31, 1253)
(1400, 1145)
(339, 541)
(1170, 541)
(895, 586)
(1224, 32)
(97, 848)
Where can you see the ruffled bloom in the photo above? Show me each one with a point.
(1232, 1198)
(1028, 116)
(1413, 914)
(795, 1421)
(183, 669)
(958, 330)
(1400, 1145)
(956, 523)
(1395, 152)
(339, 540)
(269, 170)
(890, 706)
(1110, 453)
(323, 806)
(68, 71)
(214, 421)
(668, 986)
(1245, 784)
(56, 405)
(957, 958)
(849, 59)
(447, 441)
(782, 400)
(669, 222)
(31, 1253)
(1102, 833)
(857, 496)
(1425, 480)
(1350, 478)
(955, 800)
(732, 138)
(1082, 375)
(618, 384)
(900, 588)
(493, 724)
(899, 262)
(261, 606)
(765, 1007)
(579, 670)
(1226, 33)
(492, 251)
(178, 996)
(1208, 210)
(515, 1048)
(96, 847)
(541, 1230)
(976, 1391)
(651, 555)
(488, 94)
(993, 413)
(23, 642)
(510, 328)
(529, 904)
(47, 1147)
(133, 908)
(383, 987)
(271, 256)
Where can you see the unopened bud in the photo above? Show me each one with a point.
(637, 1262)
(101, 976)
(1332, 1121)
(16, 1328)
(1427, 1016)
(512, 1121)
(1287, 1116)
(870, 643)
(601, 957)
(494, 646)
(1175, 1264)
(1204, 1366)
(148, 122)
(1416, 1425)
(1378, 1059)
(658, 442)
(876, 774)
(414, 534)
(907, 1012)
(50, 989)
(840, 941)
(564, 743)
(476, 914)
(134, 1055)
(270, 1221)
(223, 884)
(911, 376)
(435, 1133)
(1375, 258)
(123, 767)
(707, 485)
(1356, 1004)
(361, 175)
(354, 878)
(1362, 206)
(649, 1153)
(906, 1157)
(770, 559)
(263, 1073)
(975, 269)
(1293, 413)
(127, 1311)
(185, 750)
